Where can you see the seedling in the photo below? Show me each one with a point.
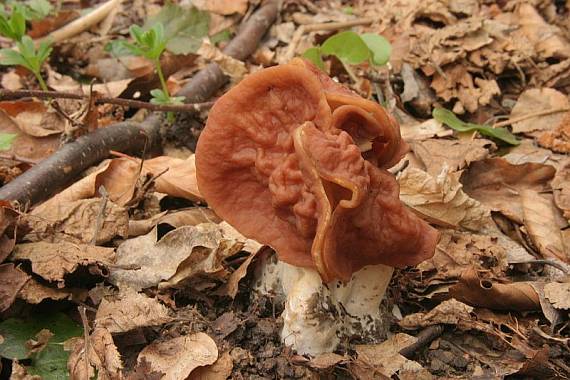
(450, 119)
(352, 48)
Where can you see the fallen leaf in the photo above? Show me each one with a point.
(222, 7)
(497, 184)
(77, 222)
(53, 261)
(557, 139)
(220, 370)
(518, 296)
(104, 358)
(180, 178)
(11, 81)
(327, 360)
(558, 293)
(178, 357)
(543, 222)
(175, 218)
(232, 67)
(12, 280)
(129, 310)
(456, 154)
(561, 188)
(450, 312)
(425, 130)
(34, 118)
(528, 152)
(34, 293)
(537, 100)
(441, 199)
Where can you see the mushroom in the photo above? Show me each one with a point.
(298, 162)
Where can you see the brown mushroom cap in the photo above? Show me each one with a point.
(298, 162)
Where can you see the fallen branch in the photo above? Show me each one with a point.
(425, 337)
(59, 170)
(191, 107)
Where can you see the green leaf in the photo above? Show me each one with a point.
(347, 46)
(10, 57)
(224, 35)
(6, 140)
(379, 47)
(159, 97)
(184, 27)
(38, 9)
(450, 119)
(314, 55)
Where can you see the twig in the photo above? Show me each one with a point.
(530, 116)
(15, 157)
(425, 337)
(101, 215)
(86, 342)
(192, 107)
(59, 170)
(82, 23)
(543, 262)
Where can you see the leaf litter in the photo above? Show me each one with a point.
(481, 92)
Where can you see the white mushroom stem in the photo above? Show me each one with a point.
(317, 315)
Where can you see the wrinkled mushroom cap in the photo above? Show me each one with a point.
(296, 161)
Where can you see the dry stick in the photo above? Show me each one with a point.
(60, 169)
(86, 341)
(192, 108)
(424, 338)
(530, 116)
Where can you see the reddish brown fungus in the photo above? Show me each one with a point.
(298, 162)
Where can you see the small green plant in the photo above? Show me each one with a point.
(352, 48)
(150, 44)
(13, 26)
(450, 119)
(6, 140)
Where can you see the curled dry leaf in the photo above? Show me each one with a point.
(176, 218)
(561, 187)
(76, 221)
(220, 370)
(34, 292)
(537, 100)
(558, 293)
(232, 67)
(8, 218)
(440, 199)
(456, 154)
(52, 261)
(103, 356)
(176, 358)
(473, 290)
(450, 312)
(557, 139)
(422, 131)
(34, 118)
(12, 280)
(497, 184)
(382, 361)
(543, 222)
(129, 310)
(178, 256)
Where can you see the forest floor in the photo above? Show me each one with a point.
(114, 267)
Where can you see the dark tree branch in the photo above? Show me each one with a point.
(59, 170)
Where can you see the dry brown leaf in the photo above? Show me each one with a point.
(557, 139)
(19, 373)
(558, 293)
(518, 296)
(222, 7)
(177, 218)
(11, 81)
(456, 154)
(232, 67)
(441, 199)
(428, 129)
(528, 152)
(103, 357)
(326, 361)
(178, 357)
(537, 100)
(450, 312)
(561, 188)
(543, 222)
(33, 293)
(76, 222)
(34, 118)
(383, 360)
(52, 261)
(12, 279)
(180, 178)
(220, 370)
(129, 310)
(497, 184)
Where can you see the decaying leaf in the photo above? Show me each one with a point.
(473, 290)
(561, 188)
(102, 354)
(536, 100)
(222, 7)
(384, 360)
(76, 221)
(129, 310)
(176, 257)
(497, 184)
(450, 312)
(34, 292)
(178, 357)
(53, 261)
(34, 118)
(220, 370)
(422, 131)
(12, 280)
(177, 218)
(441, 199)
(543, 222)
(230, 66)
(558, 293)
(456, 154)
(557, 139)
